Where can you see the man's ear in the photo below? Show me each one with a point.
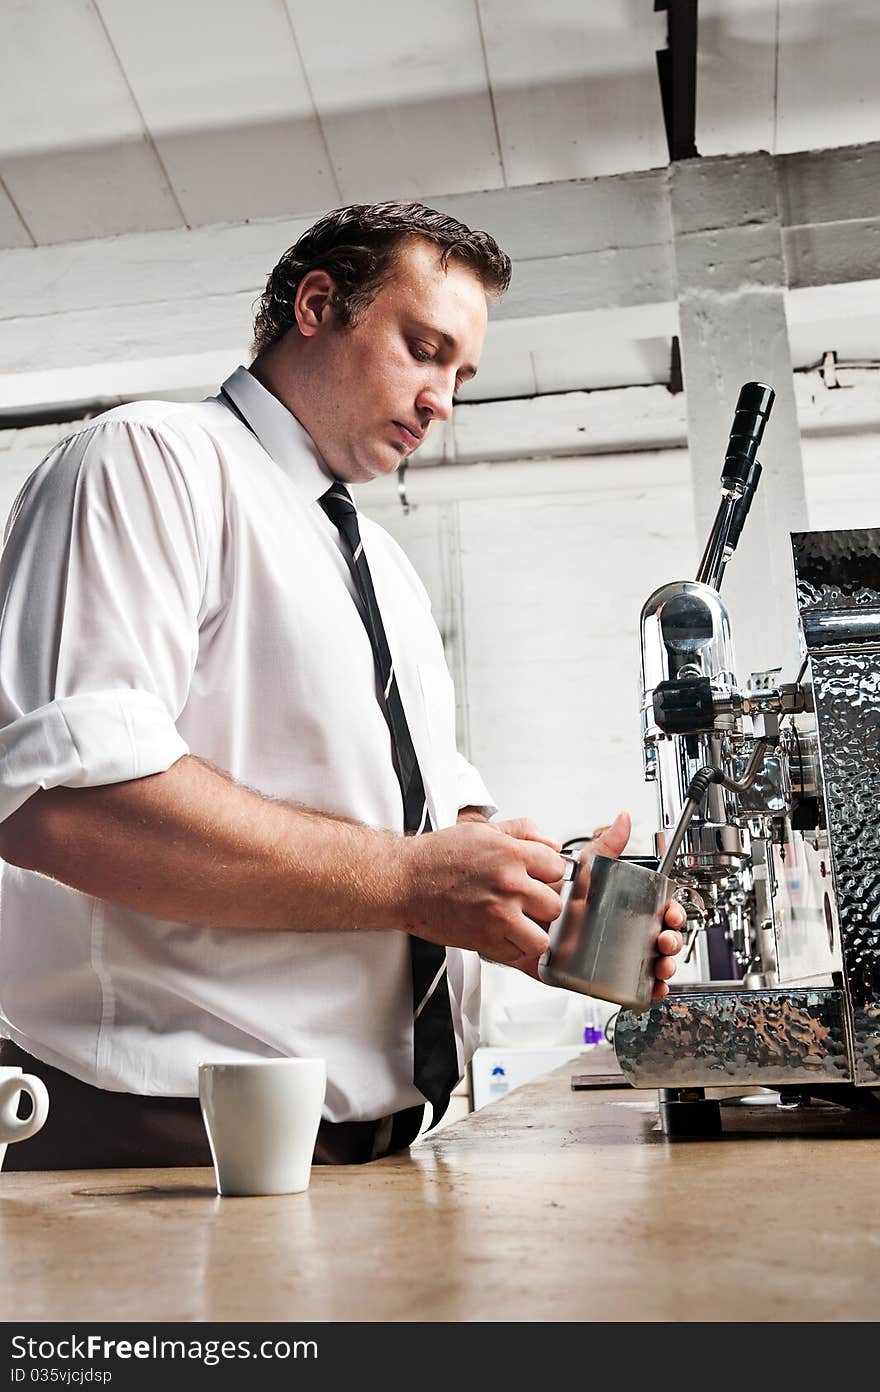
(314, 302)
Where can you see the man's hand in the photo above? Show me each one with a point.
(611, 841)
(487, 886)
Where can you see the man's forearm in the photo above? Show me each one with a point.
(192, 846)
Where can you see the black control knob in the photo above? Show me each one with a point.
(684, 706)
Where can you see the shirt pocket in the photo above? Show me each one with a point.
(438, 700)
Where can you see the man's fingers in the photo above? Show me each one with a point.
(541, 903)
(528, 965)
(527, 939)
(613, 839)
(524, 941)
(665, 969)
(523, 829)
(542, 863)
(669, 942)
(675, 916)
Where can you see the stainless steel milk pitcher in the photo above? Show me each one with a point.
(604, 942)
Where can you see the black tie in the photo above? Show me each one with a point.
(435, 1060)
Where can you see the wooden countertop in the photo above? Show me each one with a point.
(547, 1205)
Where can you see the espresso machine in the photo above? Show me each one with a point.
(769, 817)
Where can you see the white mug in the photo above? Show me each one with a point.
(262, 1120)
(12, 1084)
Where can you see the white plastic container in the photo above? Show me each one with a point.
(497, 1071)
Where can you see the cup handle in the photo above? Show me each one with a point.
(11, 1128)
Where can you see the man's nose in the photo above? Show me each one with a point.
(434, 402)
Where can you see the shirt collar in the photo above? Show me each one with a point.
(280, 433)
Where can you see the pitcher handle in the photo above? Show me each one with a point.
(573, 862)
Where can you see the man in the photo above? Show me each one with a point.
(225, 702)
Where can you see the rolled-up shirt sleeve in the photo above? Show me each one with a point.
(472, 791)
(102, 576)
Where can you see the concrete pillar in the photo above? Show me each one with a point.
(731, 278)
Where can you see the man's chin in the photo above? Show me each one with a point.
(381, 465)
(367, 473)
(379, 462)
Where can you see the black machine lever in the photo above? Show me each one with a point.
(752, 414)
(739, 479)
(743, 503)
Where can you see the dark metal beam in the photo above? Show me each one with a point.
(676, 380)
(677, 73)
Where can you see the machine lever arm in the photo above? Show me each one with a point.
(739, 479)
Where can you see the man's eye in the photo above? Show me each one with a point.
(420, 353)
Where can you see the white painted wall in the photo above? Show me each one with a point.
(842, 477)
(555, 561)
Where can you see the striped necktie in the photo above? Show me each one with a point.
(435, 1059)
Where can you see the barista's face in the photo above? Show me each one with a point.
(369, 393)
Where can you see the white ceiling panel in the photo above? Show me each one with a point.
(575, 87)
(224, 96)
(13, 232)
(91, 191)
(829, 74)
(736, 76)
(129, 115)
(402, 95)
(73, 151)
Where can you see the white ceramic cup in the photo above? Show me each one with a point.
(262, 1120)
(12, 1084)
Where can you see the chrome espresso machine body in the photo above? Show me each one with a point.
(769, 800)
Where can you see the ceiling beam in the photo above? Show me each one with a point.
(163, 311)
(572, 425)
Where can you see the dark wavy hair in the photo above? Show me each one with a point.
(357, 245)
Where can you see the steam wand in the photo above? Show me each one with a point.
(697, 790)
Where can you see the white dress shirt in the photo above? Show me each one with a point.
(170, 586)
